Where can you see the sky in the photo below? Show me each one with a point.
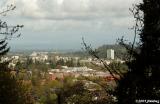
(61, 24)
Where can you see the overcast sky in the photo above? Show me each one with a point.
(60, 24)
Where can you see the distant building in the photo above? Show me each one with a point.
(39, 56)
(4, 59)
(15, 57)
(110, 54)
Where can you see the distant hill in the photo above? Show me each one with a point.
(120, 51)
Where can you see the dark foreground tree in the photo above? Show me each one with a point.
(142, 82)
(12, 91)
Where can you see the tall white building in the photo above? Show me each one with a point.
(110, 54)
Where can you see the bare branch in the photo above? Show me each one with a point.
(94, 54)
(6, 10)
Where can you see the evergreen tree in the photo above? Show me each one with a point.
(142, 82)
(12, 91)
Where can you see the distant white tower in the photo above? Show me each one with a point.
(110, 54)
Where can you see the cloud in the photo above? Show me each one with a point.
(75, 14)
(72, 9)
(123, 22)
(62, 23)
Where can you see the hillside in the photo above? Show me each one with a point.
(120, 51)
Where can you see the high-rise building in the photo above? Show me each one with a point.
(110, 54)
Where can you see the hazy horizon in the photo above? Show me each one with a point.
(61, 24)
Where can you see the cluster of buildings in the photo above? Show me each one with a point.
(65, 58)
(83, 71)
(12, 60)
(43, 56)
(77, 72)
(67, 71)
(39, 56)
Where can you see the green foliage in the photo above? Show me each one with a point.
(13, 90)
(60, 62)
(70, 63)
(71, 90)
(52, 65)
(36, 78)
(38, 65)
(45, 93)
(46, 96)
(19, 66)
(78, 94)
